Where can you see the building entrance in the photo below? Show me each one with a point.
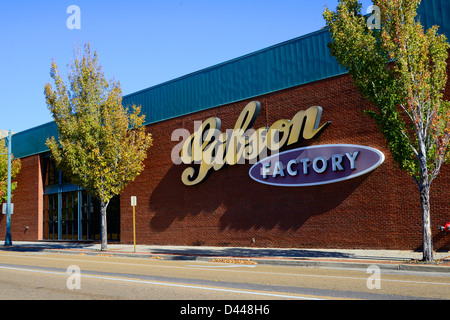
(72, 214)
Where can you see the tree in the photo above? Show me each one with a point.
(15, 168)
(401, 69)
(101, 145)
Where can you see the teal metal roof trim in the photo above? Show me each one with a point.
(435, 12)
(295, 62)
(291, 63)
(32, 141)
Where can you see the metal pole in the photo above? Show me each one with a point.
(133, 204)
(134, 229)
(8, 241)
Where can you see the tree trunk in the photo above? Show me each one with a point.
(426, 222)
(424, 189)
(104, 245)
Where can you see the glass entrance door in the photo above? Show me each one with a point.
(75, 215)
(70, 213)
(50, 217)
(90, 223)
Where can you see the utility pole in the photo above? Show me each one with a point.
(8, 241)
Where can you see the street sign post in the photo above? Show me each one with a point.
(8, 241)
(133, 204)
(5, 208)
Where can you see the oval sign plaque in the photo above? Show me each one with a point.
(316, 165)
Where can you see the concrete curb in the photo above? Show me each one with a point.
(360, 260)
(300, 262)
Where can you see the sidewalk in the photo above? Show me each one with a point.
(339, 258)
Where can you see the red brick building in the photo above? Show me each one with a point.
(379, 209)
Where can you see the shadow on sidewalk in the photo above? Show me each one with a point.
(254, 252)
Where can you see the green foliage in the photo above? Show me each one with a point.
(402, 70)
(15, 168)
(101, 145)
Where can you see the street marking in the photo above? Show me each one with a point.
(167, 284)
(216, 268)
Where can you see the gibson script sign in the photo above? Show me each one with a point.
(316, 165)
(209, 149)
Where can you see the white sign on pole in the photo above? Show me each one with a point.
(133, 201)
(4, 208)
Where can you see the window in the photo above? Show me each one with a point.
(70, 213)
(51, 217)
(51, 175)
(91, 218)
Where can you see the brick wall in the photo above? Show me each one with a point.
(28, 202)
(378, 210)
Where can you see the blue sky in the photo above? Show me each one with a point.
(141, 43)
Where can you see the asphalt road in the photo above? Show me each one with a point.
(47, 276)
